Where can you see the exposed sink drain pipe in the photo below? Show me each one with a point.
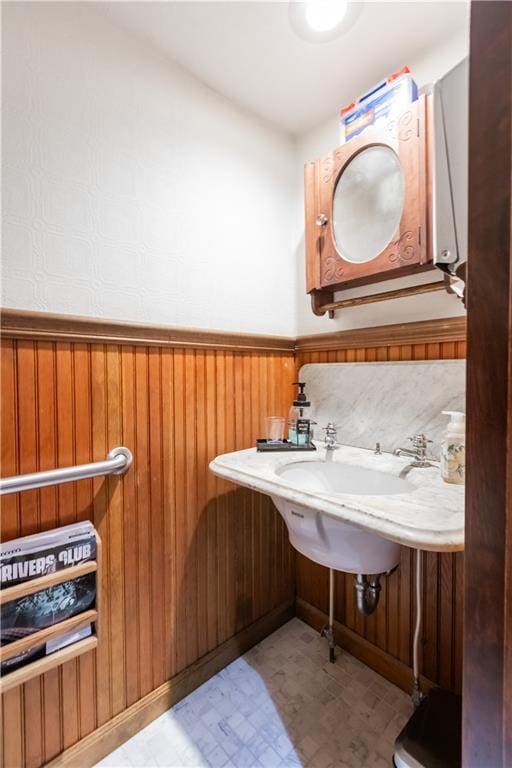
(367, 587)
(367, 592)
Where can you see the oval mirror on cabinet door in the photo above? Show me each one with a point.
(367, 204)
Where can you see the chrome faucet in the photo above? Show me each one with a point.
(330, 442)
(418, 452)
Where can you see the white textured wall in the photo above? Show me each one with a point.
(423, 307)
(131, 191)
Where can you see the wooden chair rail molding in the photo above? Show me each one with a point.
(20, 324)
(41, 326)
(421, 332)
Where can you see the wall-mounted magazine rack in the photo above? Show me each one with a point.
(91, 616)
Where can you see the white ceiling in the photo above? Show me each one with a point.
(248, 51)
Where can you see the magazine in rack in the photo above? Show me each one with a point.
(34, 556)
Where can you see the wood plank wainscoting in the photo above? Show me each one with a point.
(384, 640)
(195, 570)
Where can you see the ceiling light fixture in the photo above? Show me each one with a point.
(319, 21)
(324, 15)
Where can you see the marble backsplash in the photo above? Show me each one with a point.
(385, 402)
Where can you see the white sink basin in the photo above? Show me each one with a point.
(329, 541)
(334, 543)
(335, 477)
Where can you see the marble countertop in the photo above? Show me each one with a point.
(431, 517)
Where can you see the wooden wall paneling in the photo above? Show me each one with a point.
(391, 616)
(115, 522)
(339, 594)
(142, 475)
(202, 512)
(255, 431)
(458, 588)
(227, 489)
(247, 602)
(131, 563)
(27, 431)
(29, 513)
(82, 404)
(47, 452)
(179, 491)
(211, 404)
(12, 743)
(220, 497)
(154, 415)
(255, 417)
(182, 549)
(9, 519)
(248, 439)
(272, 522)
(430, 627)
(100, 498)
(447, 585)
(189, 447)
(288, 580)
(264, 389)
(405, 578)
(169, 532)
(196, 518)
(237, 530)
(47, 439)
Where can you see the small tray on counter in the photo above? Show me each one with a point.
(286, 446)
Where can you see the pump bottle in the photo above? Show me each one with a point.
(299, 426)
(453, 449)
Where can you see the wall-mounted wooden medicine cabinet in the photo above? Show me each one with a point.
(367, 208)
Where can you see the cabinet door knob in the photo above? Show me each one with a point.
(321, 220)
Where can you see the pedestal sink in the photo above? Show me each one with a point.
(329, 541)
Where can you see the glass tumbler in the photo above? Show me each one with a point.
(274, 428)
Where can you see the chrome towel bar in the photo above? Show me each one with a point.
(117, 463)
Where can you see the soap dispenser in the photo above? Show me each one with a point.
(453, 449)
(299, 427)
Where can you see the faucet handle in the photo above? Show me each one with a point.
(420, 440)
(330, 439)
(419, 444)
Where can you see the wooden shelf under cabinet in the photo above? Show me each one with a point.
(408, 251)
(90, 616)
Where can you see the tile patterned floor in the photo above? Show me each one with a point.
(281, 704)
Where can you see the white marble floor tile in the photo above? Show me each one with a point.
(281, 705)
